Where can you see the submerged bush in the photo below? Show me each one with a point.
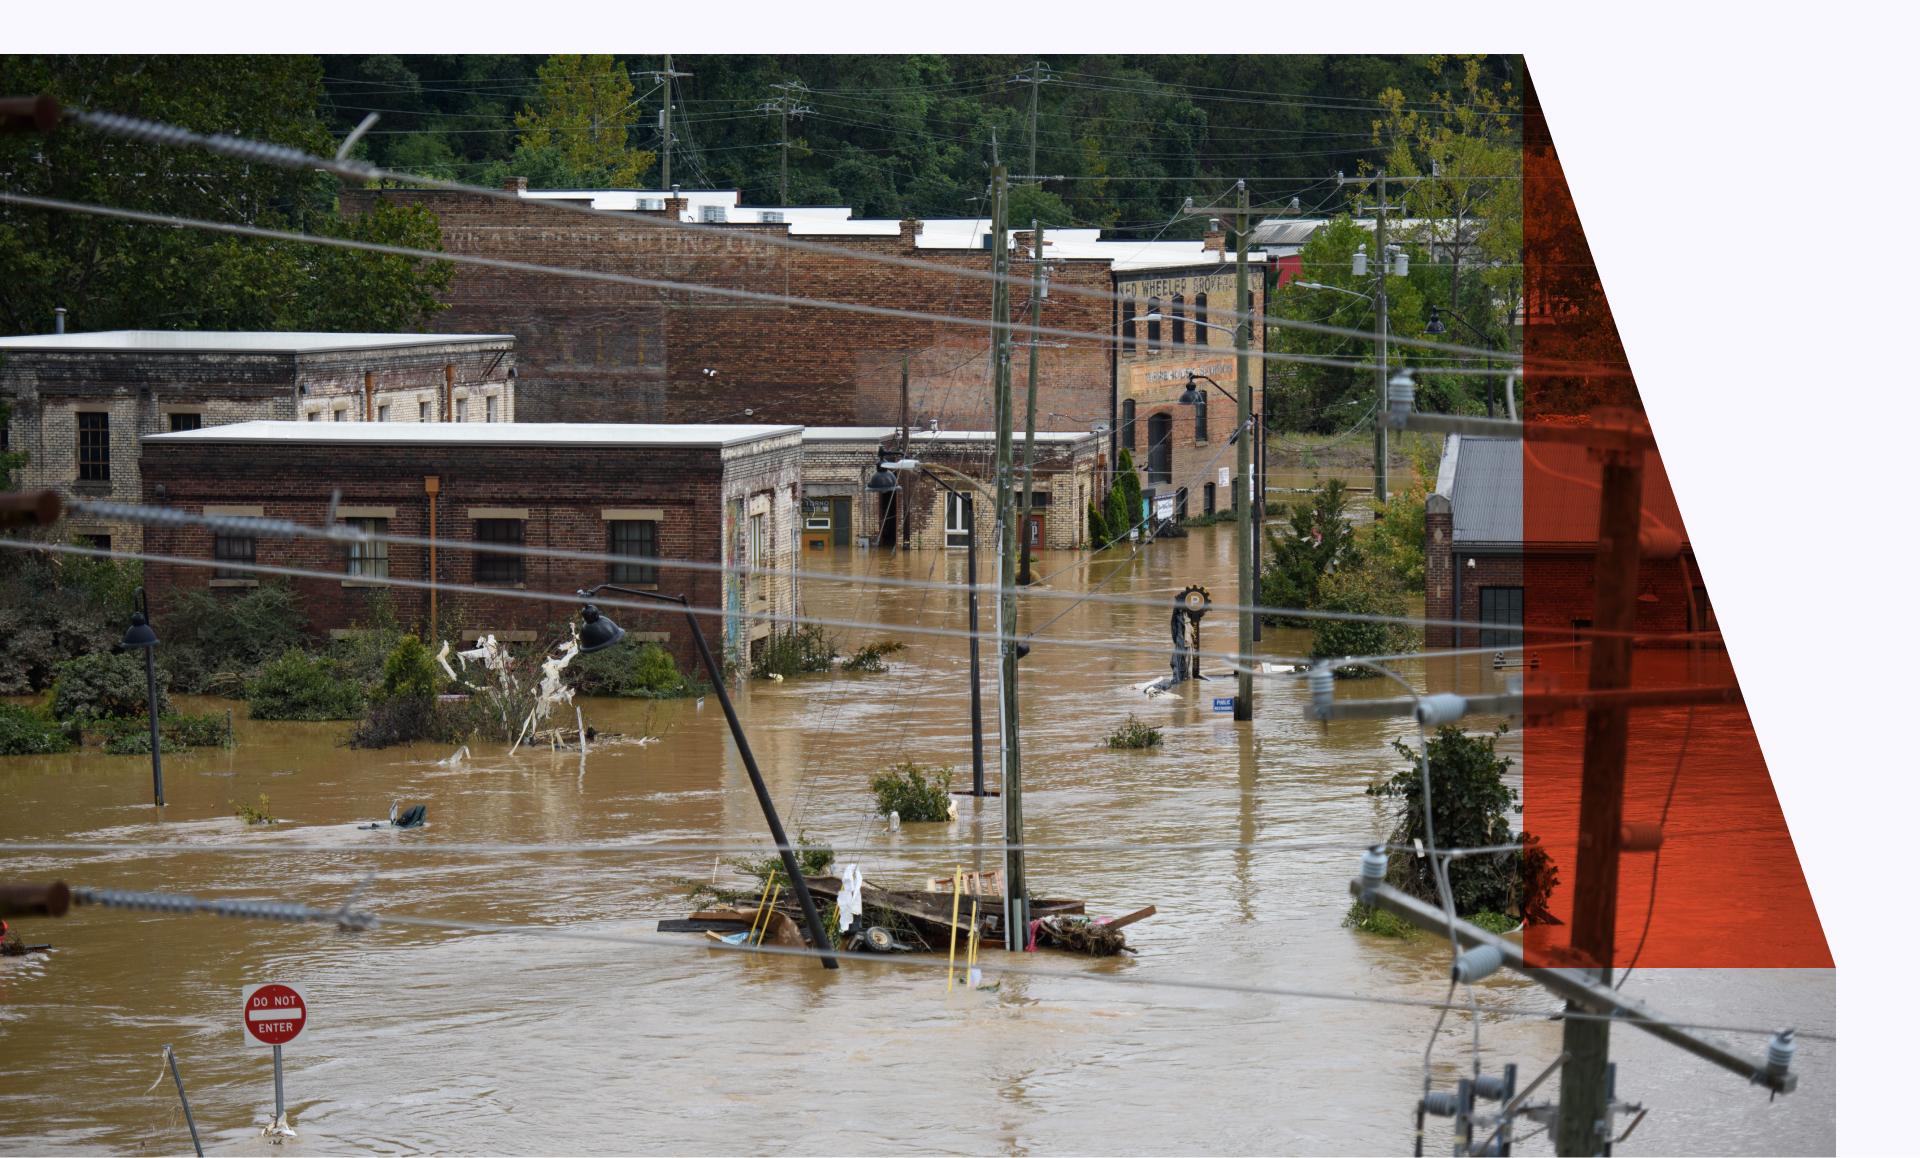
(872, 657)
(916, 794)
(405, 720)
(1364, 590)
(643, 670)
(217, 642)
(177, 734)
(24, 732)
(1135, 733)
(1364, 918)
(806, 649)
(299, 686)
(104, 686)
(53, 608)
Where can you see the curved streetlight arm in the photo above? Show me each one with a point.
(1314, 285)
(1196, 377)
(1456, 316)
(795, 877)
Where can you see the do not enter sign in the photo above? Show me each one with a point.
(274, 1014)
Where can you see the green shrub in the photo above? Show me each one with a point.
(1362, 590)
(53, 608)
(299, 686)
(410, 671)
(1471, 806)
(177, 734)
(1135, 733)
(104, 686)
(1316, 542)
(637, 669)
(407, 720)
(1365, 918)
(1096, 527)
(1494, 922)
(916, 794)
(872, 657)
(807, 649)
(254, 813)
(217, 643)
(28, 733)
(362, 652)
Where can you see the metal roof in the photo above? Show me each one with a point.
(479, 434)
(234, 341)
(1506, 491)
(928, 437)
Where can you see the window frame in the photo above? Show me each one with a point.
(636, 574)
(499, 567)
(1179, 319)
(1200, 432)
(368, 558)
(1200, 320)
(1504, 632)
(1129, 326)
(93, 448)
(1129, 412)
(235, 549)
(1154, 344)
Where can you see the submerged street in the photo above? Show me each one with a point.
(440, 1041)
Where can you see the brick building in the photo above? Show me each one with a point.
(719, 494)
(1510, 544)
(839, 511)
(81, 402)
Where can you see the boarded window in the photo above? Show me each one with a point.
(367, 558)
(93, 446)
(499, 567)
(639, 538)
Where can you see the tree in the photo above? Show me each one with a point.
(119, 275)
(577, 132)
(1316, 542)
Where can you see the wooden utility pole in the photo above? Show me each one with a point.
(1007, 622)
(1583, 1083)
(1380, 342)
(1033, 389)
(1243, 382)
(786, 105)
(1035, 76)
(901, 505)
(666, 76)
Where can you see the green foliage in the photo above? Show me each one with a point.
(1471, 804)
(10, 460)
(814, 857)
(410, 671)
(410, 719)
(916, 793)
(872, 657)
(1096, 527)
(1316, 541)
(808, 648)
(1135, 733)
(643, 670)
(1395, 541)
(216, 642)
(1494, 922)
(115, 276)
(177, 734)
(104, 686)
(1362, 590)
(260, 813)
(1365, 918)
(301, 686)
(576, 134)
(53, 608)
(24, 732)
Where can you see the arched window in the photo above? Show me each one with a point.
(1126, 424)
(1127, 312)
(1200, 320)
(1200, 418)
(1153, 325)
(1179, 320)
(1160, 449)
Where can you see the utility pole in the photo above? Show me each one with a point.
(1034, 77)
(1006, 625)
(666, 76)
(1380, 343)
(1243, 381)
(901, 505)
(786, 105)
(1033, 390)
(1584, 1092)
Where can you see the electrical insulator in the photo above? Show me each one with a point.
(1440, 708)
(1490, 1086)
(1478, 963)
(1360, 263)
(1441, 1103)
(1373, 869)
(1399, 398)
(1320, 686)
(1644, 836)
(1780, 1053)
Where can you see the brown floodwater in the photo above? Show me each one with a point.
(458, 1041)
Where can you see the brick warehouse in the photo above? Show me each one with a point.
(81, 402)
(717, 494)
(596, 352)
(1479, 529)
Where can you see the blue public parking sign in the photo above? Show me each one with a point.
(1223, 703)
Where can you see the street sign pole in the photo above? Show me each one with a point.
(273, 1015)
(279, 1092)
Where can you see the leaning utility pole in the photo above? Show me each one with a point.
(1004, 516)
(1243, 382)
(1584, 1089)
(666, 77)
(1033, 390)
(1034, 77)
(786, 105)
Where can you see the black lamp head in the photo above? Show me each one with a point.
(1191, 396)
(883, 481)
(1434, 324)
(597, 632)
(138, 634)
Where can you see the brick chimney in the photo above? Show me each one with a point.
(515, 185)
(676, 208)
(1215, 238)
(910, 230)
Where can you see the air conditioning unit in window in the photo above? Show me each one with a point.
(656, 204)
(713, 214)
(772, 217)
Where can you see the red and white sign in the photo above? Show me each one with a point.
(274, 1014)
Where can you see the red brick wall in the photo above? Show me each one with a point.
(596, 351)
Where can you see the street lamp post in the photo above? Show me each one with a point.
(598, 632)
(140, 635)
(1436, 327)
(886, 480)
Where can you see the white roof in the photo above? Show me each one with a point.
(235, 341)
(482, 433)
(916, 434)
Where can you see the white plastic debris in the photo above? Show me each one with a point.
(849, 898)
(893, 821)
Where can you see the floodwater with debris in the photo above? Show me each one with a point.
(442, 1041)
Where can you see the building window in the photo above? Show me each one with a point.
(1200, 320)
(425, 413)
(493, 408)
(182, 420)
(368, 558)
(93, 446)
(313, 416)
(232, 549)
(1126, 424)
(460, 410)
(1160, 449)
(1179, 320)
(382, 413)
(1207, 499)
(97, 542)
(1200, 416)
(340, 414)
(959, 521)
(1153, 325)
(639, 538)
(494, 567)
(818, 514)
(1128, 311)
(758, 553)
(1501, 606)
